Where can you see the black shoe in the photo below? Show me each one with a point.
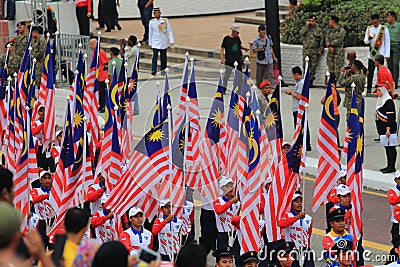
(9, 18)
(144, 41)
(383, 169)
(99, 28)
(108, 30)
(389, 170)
(118, 27)
(377, 139)
(153, 73)
(309, 148)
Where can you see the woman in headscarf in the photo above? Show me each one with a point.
(386, 124)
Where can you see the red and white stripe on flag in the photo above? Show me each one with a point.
(210, 170)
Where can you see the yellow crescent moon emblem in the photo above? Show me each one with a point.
(106, 115)
(327, 104)
(255, 149)
(46, 63)
(26, 76)
(274, 100)
(80, 159)
(114, 93)
(246, 119)
(25, 146)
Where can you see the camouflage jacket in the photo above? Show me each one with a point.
(335, 39)
(38, 49)
(313, 39)
(359, 81)
(19, 49)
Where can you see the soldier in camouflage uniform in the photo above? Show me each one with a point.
(38, 44)
(11, 68)
(19, 47)
(358, 78)
(335, 43)
(313, 45)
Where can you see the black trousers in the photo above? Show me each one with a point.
(163, 57)
(44, 162)
(43, 234)
(102, 95)
(222, 240)
(83, 20)
(391, 156)
(370, 77)
(208, 230)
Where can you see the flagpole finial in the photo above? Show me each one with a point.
(107, 81)
(34, 60)
(187, 99)
(328, 74)
(115, 107)
(280, 78)
(76, 71)
(85, 56)
(15, 74)
(157, 83)
(85, 119)
(56, 33)
(191, 59)
(248, 94)
(235, 64)
(306, 105)
(364, 94)
(187, 53)
(254, 87)
(30, 48)
(247, 60)
(114, 63)
(353, 85)
(67, 98)
(99, 33)
(48, 34)
(139, 44)
(80, 45)
(32, 23)
(27, 108)
(9, 78)
(221, 71)
(307, 59)
(258, 112)
(169, 107)
(166, 70)
(9, 45)
(126, 64)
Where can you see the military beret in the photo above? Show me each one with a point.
(264, 84)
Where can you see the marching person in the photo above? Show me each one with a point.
(95, 192)
(394, 200)
(44, 159)
(42, 206)
(385, 119)
(103, 223)
(208, 225)
(378, 38)
(223, 257)
(136, 236)
(297, 228)
(225, 208)
(168, 228)
(336, 219)
(188, 222)
(160, 38)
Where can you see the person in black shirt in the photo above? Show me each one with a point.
(233, 52)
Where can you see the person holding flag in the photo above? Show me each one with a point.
(96, 191)
(225, 207)
(103, 223)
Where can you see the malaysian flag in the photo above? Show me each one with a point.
(232, 129)
(24, 69)
(212, 150)
(354, 165)
(328, 163)
(9, 139)
(114, 96)
(3, 103)
(249, 223)
(148, 164)
(182, 97)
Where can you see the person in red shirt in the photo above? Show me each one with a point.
(333, 198)
(83, 13)
(385, 78)
(103, 73)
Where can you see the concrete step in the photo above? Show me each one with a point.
(282, 13)
(252, 20)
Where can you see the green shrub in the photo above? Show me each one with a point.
(354, 17)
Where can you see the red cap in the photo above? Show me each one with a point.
(264, 83)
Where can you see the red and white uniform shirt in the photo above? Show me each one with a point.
(187, 217)
(34, 221)
(347, 216)
(133, 240)
(94, 195)
(104, 227)
(333, 196)
(394, 201)
(41, 204)
(225, 210)
(55, 153)
(168, 234)
(297, 231)
(37, 130)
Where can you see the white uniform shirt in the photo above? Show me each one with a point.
(138, 239)
(169, 236)
(299, 231)
(44, 208)
(223, 220)
(160, 33)
(384, 50)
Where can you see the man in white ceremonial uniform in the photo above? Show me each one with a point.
(168, 228)
(225, 207)
(136, 236)
(160, 38)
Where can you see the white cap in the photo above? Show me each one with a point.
(286, 143)
(58, 132)
(42, 173)
(235, 27)
(296, 195)
(225, 181)
(342, 190)
(164, 202)
(104, 198)
(342, 173)
(133, 211)
(397, 174)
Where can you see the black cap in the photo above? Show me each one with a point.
(396, 241)
(250, 256)
(223, 252)
(282, 245)
(312, 17)
(342, 245)
(21, 23)
(336, 213)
